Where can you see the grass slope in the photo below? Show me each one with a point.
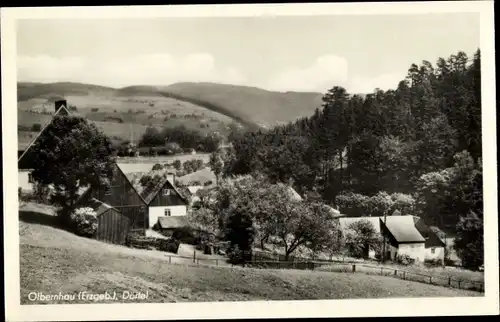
(258, 105)
(53, 260)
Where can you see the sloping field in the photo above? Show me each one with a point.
(53, 260)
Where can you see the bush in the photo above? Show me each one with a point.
(405, 260)
(433, 262)
(170, 245)
(157, 167)
(185, 235)
(84, 221)
(36, 127)
(94, 109)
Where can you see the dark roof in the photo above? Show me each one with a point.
(162, 183)
(431, 234)
(60, 111)
(99, 206)
(171, 222)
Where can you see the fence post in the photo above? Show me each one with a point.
(194, 256)
(216, 262)
(430, 279)
(381, 271)
(396, 272)
(198, 261)
(404, 275)
(170, 259)
(459, 283)
(449, 280)
(353, 268)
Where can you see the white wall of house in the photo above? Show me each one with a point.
(155, 212)
(414, 250)
(434, 253)
(23, 180)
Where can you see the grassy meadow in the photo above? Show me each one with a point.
(53, 260)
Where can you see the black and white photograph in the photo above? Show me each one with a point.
(312, 157)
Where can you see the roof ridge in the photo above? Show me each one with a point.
(42, 130)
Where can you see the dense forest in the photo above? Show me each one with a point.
(418, 145)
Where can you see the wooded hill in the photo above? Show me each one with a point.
(421, 140)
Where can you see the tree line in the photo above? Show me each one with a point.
(181, 135)
(412, 150)
(388, 141)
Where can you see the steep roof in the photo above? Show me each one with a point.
(22, 158)
(159, 186)
(169, 222)
(403, 229)
(431, 234)
(99, 206)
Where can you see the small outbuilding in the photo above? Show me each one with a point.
(112, 225)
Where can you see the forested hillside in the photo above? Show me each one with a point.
(418, 146)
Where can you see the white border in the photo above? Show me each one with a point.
(257, 309)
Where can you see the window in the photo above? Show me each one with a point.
(167, 212)
(107, 191)
(30, 178)
(433, 250)
(166, 192)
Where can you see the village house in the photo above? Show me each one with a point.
(405, 235)
(25, 154)
(165, 200)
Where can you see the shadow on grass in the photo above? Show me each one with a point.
(35, 217)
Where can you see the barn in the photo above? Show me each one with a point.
(122, 196)
(113, 226)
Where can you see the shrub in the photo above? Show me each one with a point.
(185, 235)
(94, 109)
(84, 221)
(170, 245)
(41, 194)
(157, 167)
(405, 259)
(436, 262)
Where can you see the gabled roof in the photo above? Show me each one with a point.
(158, 188)
(99, 206)
(403, 229)
(169, 222)
(60, 111)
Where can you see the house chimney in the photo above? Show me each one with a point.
(171, 178)
(60, 103)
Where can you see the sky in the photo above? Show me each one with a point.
(282, 53)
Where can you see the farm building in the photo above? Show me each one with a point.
(405, 234)
(26, 156)
(404, 238)
(113, 226)
(165, 200)
(122, 196)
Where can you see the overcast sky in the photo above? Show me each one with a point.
(310, 53)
